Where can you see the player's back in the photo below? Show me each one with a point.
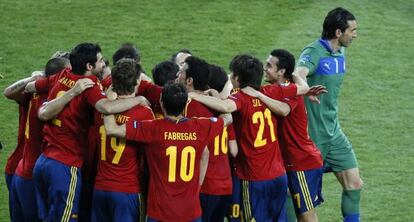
(66, 134)
(120, 161)
(173, 153)
(259, 156)
(218, 176)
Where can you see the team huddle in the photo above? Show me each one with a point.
(191, 144)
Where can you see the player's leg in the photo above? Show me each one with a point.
(63, 191)
(16, 209)
(345, 166)
(100, 210)
(41, 189)
(125, 206)
(306, 190)
(25, 192)
(265, 200)
(235, 213)
(208, 204)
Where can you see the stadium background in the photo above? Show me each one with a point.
(376, 101)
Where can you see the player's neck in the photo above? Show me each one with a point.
(175, 118)
(334, 44)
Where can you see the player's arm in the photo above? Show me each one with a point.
(107, 106)
(234, 149)
(51, 109)
(300, 80)
(223, 106)
(204, 164)
(112, 128)
(227, 118)
(277, 107)
(15, 90)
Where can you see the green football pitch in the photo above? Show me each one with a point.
(376, 101)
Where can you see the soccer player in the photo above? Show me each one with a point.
(180, 56)
(23, 190)
(176, 150)
(302, 159)
(16, 92)
(164, 72)
(258, 164)
(117, 184)
(323, 62)
(69, 113)
(217, 187)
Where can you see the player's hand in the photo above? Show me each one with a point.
(212, 92)
(143, 101)
(110, 94)
(250, 91)
(227, 117)
(37, 74)
(81, 85)
(314, 99)
(316, 90)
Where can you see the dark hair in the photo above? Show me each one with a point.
(249, 70)
(83, 54)
(56, 65)
(218, 77)
(198, 69)
(124, 76)
(164, 72)
(173, 56)
(336, 19)
(127, 50)
(285, 61)
(174, 98)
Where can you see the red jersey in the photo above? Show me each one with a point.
(298, 151)
(17, 154)
(259, 155)
(33, 139)
(120, 160)
(173, 153)
(218, 176)
(66, 134)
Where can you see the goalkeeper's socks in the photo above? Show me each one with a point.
(350, 205)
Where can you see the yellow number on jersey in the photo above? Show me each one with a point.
(117, 144)
(259, 117)
(187, 163)
(224, 143)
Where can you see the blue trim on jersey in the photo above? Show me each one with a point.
(331, 66)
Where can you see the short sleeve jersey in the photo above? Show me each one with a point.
(33, 139)
(259, 156)
(298, 151)
(17, 154)
(328, 69)
(218, 176)
(119, 159)
(173, 153)
(66, 134)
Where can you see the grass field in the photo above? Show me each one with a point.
(376, 101)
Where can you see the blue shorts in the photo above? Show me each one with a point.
(115, 206)
(235, 214)
(214, 207)
(306, 189)
(58, 189)
(265, 200)
(24, 200)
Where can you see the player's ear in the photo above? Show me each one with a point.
(338, 33)
(189, 81)
(89, 67)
